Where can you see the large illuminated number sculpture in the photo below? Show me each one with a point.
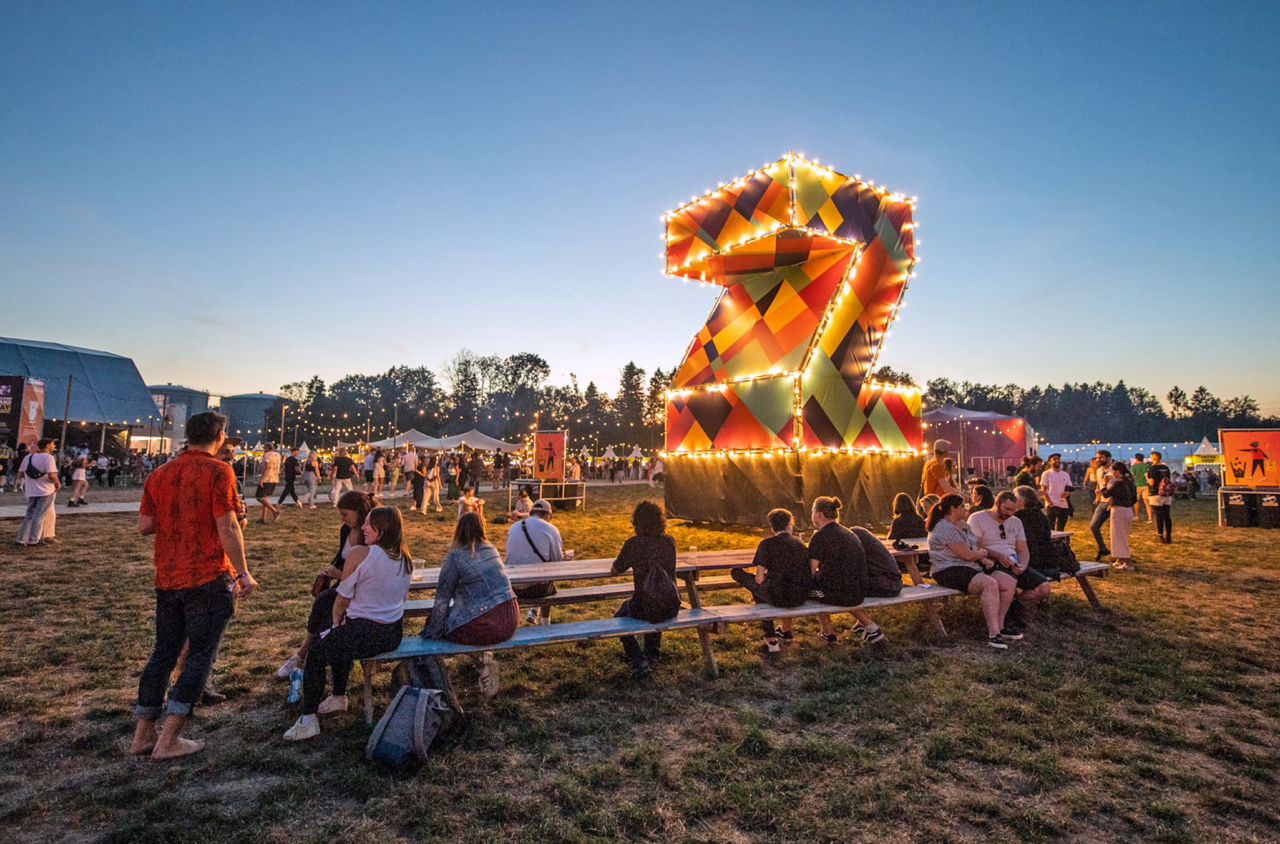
(814, 265)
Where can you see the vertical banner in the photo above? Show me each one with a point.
(1250, 457)
(31, 423)
(548, 455)
(10, 408)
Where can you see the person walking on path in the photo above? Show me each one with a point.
(344, 472)
(1139, 472)
(1101, 507)
(190, 505)
(267, 484)
(39, 473)
(311, 478)
(79, 481)
(408, 463)
(1160, 498)
(291, 466)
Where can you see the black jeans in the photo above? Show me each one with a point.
(652, 641)
(288, 490)
(1164, 522)
(1057, 517)
(759, 592)
(1101, 512)
(356, 639)
(198, 615)
(321, 617)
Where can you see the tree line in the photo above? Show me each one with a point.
(504, 397)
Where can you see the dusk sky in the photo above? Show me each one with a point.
(239, 195)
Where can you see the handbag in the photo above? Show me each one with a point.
(320, 584)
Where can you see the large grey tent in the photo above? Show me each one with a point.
(105, 388)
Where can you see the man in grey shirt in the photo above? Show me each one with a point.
(534, 540)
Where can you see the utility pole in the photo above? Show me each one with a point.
(66, 409)
(282, 407)
(395, 426)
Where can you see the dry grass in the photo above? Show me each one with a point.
(1153, 720)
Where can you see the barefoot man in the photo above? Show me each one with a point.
(191, 506)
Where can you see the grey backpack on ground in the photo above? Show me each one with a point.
(404, 734)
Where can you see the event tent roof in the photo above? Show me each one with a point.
(471, 439)
(104, 387)
(1205, 449)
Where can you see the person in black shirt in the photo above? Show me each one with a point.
(907, 523)
(291, 466)
(651, 546)
(884, 579)
(782, 575)
(344, 471)
(1159, 502)
(837, 558)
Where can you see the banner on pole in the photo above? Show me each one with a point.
(548, 455)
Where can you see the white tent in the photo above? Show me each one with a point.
(412, 437)
(475, 439)
(609, 454)
(636, 452)
(1205, 449)
(304, 450)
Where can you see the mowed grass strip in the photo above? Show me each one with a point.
(1155, 719)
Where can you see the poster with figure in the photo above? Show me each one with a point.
(548, 455)
(31, 421)
(1250, 457)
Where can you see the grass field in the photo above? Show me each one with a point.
(1155, 719)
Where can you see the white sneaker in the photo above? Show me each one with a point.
(331, 704)
(307, 726)
(290, 664)
(313, 506)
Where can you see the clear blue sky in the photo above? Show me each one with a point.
(242, 195)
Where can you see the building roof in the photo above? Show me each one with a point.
(262, 396)
(105, 387)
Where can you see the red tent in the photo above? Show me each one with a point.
(982, 442)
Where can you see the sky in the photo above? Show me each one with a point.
(241, 195)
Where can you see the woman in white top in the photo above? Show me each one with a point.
(367, 617)
(354, 507)
(958, 563)
(379, 471)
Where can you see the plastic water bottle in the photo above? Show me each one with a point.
(295, 685)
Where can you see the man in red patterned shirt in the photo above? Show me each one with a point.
(191, 506)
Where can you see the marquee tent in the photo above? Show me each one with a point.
(982, 440)
(636, 452)
(105, 388)
(471, 439)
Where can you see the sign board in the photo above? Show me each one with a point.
(548, 455)
(10, 408)
(1250, 457)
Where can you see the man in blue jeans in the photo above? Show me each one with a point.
(191, 506)
(1101, 509)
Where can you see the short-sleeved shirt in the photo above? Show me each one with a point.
(186, 496)
(988, 533)
(270, 468)
(930, 480)
(946, 533)
(343, 467)
(409, 461)
(842, 565)
(41, 486)
(1139, 471)
(785, 561)
(541, 533)
(1055, 483)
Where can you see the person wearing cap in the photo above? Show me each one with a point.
(530, 541)
(935, 480)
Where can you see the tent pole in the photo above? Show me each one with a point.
(66, 409)
(102, 440)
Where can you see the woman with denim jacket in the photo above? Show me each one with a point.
(474, 604)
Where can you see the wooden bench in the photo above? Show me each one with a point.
(577, 595)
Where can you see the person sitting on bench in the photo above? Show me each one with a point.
(650, 546)
(958, 563)
(884, 578)
(782, 576)
(368, 615)
(1000, 532)
(840, 566)
(531, 541)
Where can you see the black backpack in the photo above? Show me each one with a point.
(658, 599)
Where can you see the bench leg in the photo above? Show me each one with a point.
(913, 571)
(704, 636)
(1088, 591)
(368, 667)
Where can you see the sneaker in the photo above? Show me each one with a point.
(997, 641)
(829, 638)
(1011, 633)
(531, 617)
(307, 726)
(784, 636)
(858, 630)
(313, 507)
(771, 646)
(285, 670)
(331, 704)
(72, 504)
(212, 697)
(1101, 553)
(641, 669)
(870, 637)
(50, 540)
(1126, 567)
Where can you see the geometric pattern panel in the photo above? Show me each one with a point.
(876, 418)
(754, 415)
